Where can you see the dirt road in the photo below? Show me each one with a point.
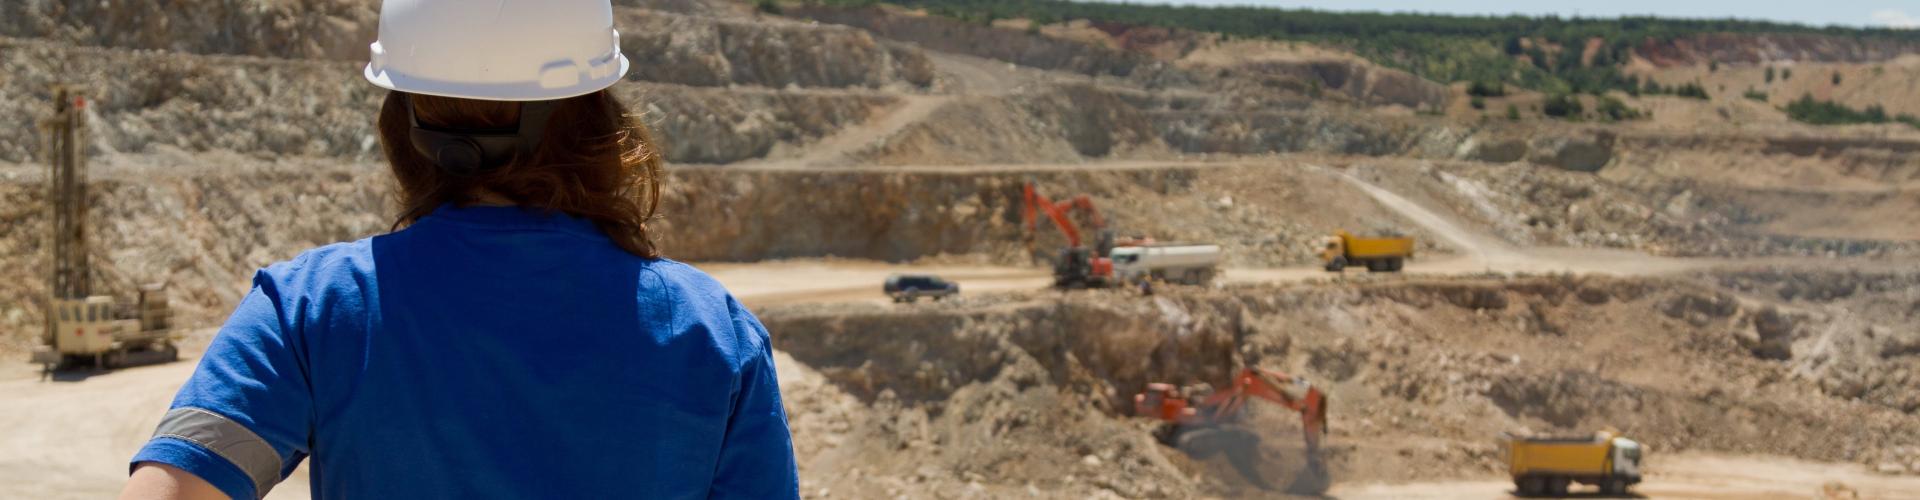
(71, 437)
(801, 281)
(833, 150)
(1686, 476)
(822, 280)
(1480, 251)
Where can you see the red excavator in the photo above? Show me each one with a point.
(1078, 266)
(1164, 402)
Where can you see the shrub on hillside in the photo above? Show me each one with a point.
(1693, 90)
(1564, 106)
(1613, 110)
(1484, 89)
(1808, 110)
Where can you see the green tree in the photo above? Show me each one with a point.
(1806, 109)
(1564, 106)
(1513, 113)
(1691, 89)
(1538, 57)
(1836, 78)
(1769, 74)
(1611, 109)
(1442, 48)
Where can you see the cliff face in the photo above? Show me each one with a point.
(717, 125)
(1359, 81)
(323, 29)
(1005, 44)
(274, 107)
(668, 45)
(139, 100)
(674, 48)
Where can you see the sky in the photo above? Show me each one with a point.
(1876, 13)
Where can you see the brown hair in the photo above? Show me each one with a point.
(594, 161)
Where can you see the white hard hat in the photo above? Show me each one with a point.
(497, 50)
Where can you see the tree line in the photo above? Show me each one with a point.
(1545, 53)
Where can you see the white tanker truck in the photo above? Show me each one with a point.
(1192, 264)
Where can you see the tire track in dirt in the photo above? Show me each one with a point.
(1482, 251)
(835, 149)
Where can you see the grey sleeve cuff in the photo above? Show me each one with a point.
(229, 440)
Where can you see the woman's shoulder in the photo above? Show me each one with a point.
(344, 265)
(685, 282)
(697, 302)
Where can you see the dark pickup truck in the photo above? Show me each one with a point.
(911, 287)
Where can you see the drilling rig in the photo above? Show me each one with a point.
(83, 328)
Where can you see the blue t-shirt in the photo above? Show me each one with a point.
(485, 352)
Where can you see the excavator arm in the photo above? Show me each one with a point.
(1085, 203)
(1036, 201)
(1272, 386)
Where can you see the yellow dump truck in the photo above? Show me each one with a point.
(1379, 254)
(1546, 466)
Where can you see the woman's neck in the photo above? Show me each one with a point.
(487, 197)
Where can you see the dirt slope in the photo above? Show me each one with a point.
(1425, 373)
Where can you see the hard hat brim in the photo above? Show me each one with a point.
(527, 91)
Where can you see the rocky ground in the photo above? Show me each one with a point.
(1426, 373)
(1716, 281)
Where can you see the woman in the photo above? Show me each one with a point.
(520, 337)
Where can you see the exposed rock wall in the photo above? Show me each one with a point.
(141, 100)
(1065, 124)
(952, 35)
(712, 48)
(1073, 123)
(717, 125)
(1359, 81)
(1285, 132)
(1586, 152)
(1565, 147)
(309, 29)
(703, 51)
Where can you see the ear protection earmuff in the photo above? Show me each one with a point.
(465, 152)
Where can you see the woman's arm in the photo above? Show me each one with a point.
(157, 481)
(243, 420)
(756, 458)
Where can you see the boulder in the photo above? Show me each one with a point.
(1493, 150)
(1579, 152)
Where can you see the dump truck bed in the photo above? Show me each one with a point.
(1363, 247)
(1566, 456)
